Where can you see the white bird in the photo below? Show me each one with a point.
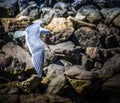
(35, 44)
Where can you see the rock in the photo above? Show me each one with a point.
(10, 88)
(2, 30)
(67, 51)
(80, 86)
(31, 98)
(97, 65)
(54, 70)
(111, 41)
(8, 8)
(90, 13)
(100, 3)
(110, 67)
(92, 52)
(59, 25)
(14, 98)
(31, 83)
(12, 24)
(77, 72)
(112, 85)
(56, 85)
(87, 37)
(116, 21)
(15, 51)
(87, 63)
(110, 14)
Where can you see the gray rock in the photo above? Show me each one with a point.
(110, 67)
(110, 13)
(8, 8)
(77, 72)
(56, 85)
(91, 13)
(54, 70)
(67, 51)
(15, 51)
(87, 37)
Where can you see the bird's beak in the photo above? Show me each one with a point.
(19, 34)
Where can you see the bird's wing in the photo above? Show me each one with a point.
(38, 60)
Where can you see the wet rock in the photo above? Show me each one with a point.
(110, 14)
(92, 52)
(9, 98)
(110, 67)
(77, 72)
(58, 25)
(67, 51)
(112, 85)
(87, 37)
(80, 86)
(12, 24)
(15, 51)
(31, 83)
(87, 63)
(90, 13)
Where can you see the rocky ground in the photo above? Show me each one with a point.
(82, 55)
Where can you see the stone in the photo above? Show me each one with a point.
(80, 86)
(58, 25)
(12, 24)
(31, 83)
(89, 12)
(97, 65)
(56, 85)
(2, 30)
(112, 85)
(14, 98)
(87, 37)
(110, 67)
(16, 51)
(110, 14)
(54, 70)
(8, 8)
(78, 73)
(92, 52)
(87, 63)
(67, 51)
(116, 21)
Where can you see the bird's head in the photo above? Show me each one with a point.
(35, 29)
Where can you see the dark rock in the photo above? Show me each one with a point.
(97, 65)
(9, 98)
(100, 3)
(8, 8)
(111, 41)
(110, 13)
(110, 67)
(87, 37)
(87, 63)
(2, 30)
(91, 13)
(31, 83)
(112, 85)
(67, 51)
